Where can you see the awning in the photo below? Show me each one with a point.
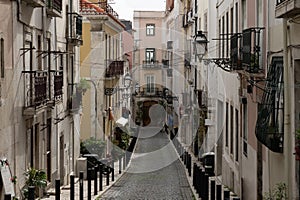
(122, 122)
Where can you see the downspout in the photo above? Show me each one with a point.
(287, 111)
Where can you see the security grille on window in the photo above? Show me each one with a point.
(150, 29)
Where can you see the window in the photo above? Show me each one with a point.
(150, 55)
(227, 34)
(2, 57)
(205, 23)
(236, 18)
(226, 125)
(150, 84)
(244, 14)
(237, 135)
(245, 129)
(39, 53)
(150, 29)
(222, 36)
(231, 129)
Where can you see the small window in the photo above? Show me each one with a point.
(150, 29)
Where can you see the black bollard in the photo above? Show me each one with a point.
(120, 165)
(7, 197)
(205, 183)
(219, 192)
(226, 195)
(96, 169)
(81, 185)
(107, 175)
(57, 189)
(194, 174)
(31, 193)
(101, 178)
(89, 177)
(124, 163)
(212, 189)
(190, 164)
(236, 198)
(72, 187)
(112, 171)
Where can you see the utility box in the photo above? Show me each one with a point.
(208, 160)
(81, 166)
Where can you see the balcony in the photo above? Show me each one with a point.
(54, 8)
(287, 8)
(57, 81)
(147, 64)
(35, 3)
(100, 8)
(75, 31)
(115, 69)
(35, 91)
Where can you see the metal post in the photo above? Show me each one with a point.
(107, 175)
(194, 174)
(120, 165)
(31, 193)
(89, 173)
(190, 164)
(219, 192)
(212, 189)
(72, 187)
(81, 185)
(124, 162)
(205, 183)
(7, 197)
(96, 169)
(112, 170)
(226, 195)
(101, 178)
(57, 189)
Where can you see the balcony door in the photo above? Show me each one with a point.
(150, 55)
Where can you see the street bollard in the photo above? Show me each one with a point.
(7, 197)
(96, 169)
(101, 178)
(226, 195)
(120, 165)
(107, 175)
(31, 193)
(205, 188)
(89, 177)
(57, 189)
(189, 165)
(219, 192)
(194, 174)
(213, 189)
(72, 187)
(236, 198)
(112, 171)
(124, 161)
(81, 185)
(201, 184)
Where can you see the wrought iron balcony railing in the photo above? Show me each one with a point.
(36, 88)
(151, 64)
(54, 8)
(75, 29)
(100, 8)
(56, 79)
(115, 68)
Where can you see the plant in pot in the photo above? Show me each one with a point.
(34, 177)
(81, 88)
(297, 144)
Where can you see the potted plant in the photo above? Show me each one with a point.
(297, 145)
(80, 90)
(34, 177)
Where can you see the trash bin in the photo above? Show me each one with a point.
(92, 161)
(209, 163)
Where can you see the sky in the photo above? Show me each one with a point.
(125, 8)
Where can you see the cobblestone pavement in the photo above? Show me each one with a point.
(158, 176)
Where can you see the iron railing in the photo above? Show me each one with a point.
(36, 88)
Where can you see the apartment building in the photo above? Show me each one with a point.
(39, 67)
(149, 71)
(102, 64)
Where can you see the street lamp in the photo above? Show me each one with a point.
(200, 45)
(127, 80)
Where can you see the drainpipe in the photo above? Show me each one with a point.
(287, 113)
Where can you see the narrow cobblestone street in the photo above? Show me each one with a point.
(165, 181)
